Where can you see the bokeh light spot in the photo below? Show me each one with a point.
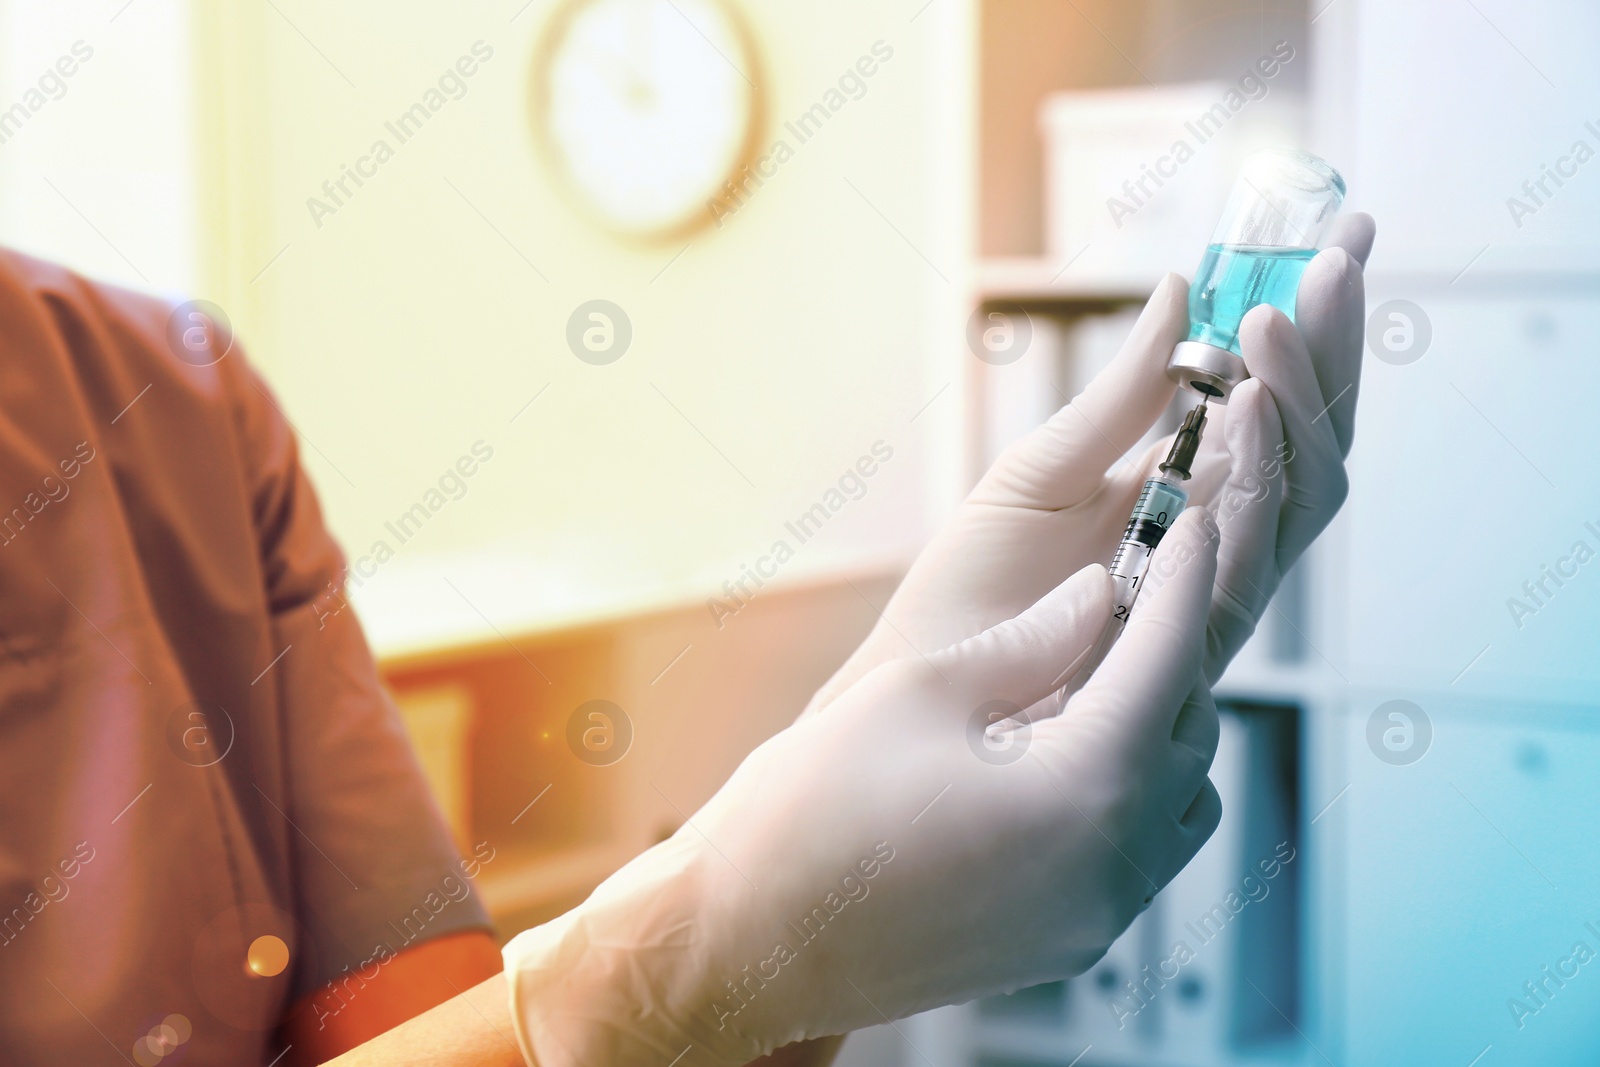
(163, 1039)
(268, 956)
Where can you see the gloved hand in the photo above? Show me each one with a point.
(1048, 506)
(884, 859)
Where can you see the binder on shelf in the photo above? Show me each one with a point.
(1227, 971)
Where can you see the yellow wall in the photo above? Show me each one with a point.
(100, 175)
(405, 328)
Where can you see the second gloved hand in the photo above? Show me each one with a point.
(890, 856)
(1271, 469)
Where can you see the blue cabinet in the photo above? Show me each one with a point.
(1468, 897)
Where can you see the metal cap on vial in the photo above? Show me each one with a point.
(1207, 369)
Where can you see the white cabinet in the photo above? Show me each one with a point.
(1439, 110)
(1474, 492)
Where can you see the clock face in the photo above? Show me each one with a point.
(646, 108)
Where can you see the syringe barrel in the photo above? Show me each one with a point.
(1160, 503)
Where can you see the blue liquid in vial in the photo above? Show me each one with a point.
(1235, 278)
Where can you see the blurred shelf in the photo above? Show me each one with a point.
(1050, 1046)
(1273, 683)
(534, 880)
(1031, 280)
(1511, 268)
(436, 608)
(1037, 282)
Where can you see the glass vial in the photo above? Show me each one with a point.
(1277, 212)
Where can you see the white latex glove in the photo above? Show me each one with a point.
(1048, 507)
(930, 869)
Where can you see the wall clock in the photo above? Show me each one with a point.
(645, 108)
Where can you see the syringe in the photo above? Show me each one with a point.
(1160, 503)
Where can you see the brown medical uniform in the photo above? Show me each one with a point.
(195, 754)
